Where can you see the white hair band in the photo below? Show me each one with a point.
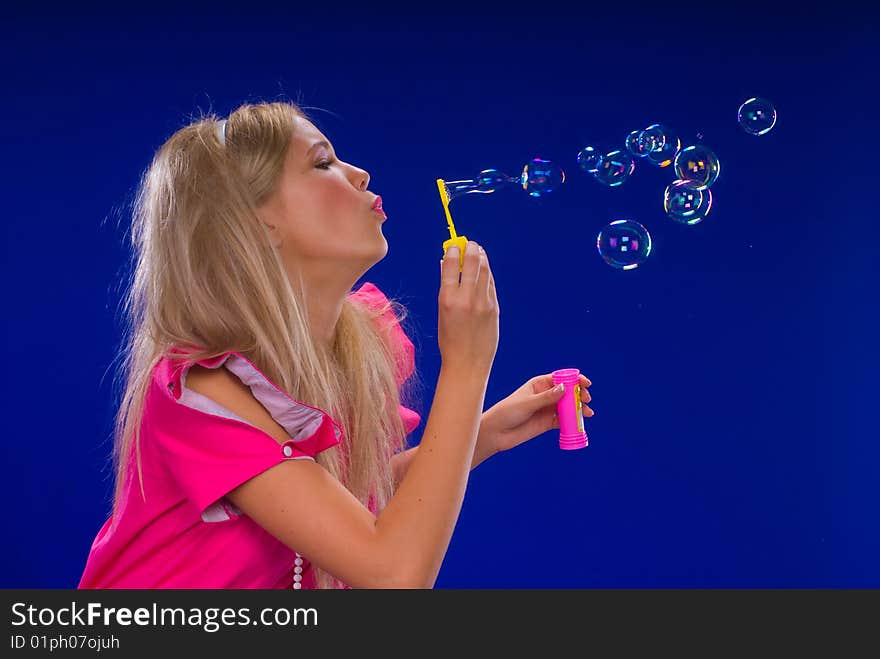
(221, 132)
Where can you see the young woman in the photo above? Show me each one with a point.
(261, 437)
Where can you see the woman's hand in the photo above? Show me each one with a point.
(526, 413)
(467, 328)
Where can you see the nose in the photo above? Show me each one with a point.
(360, 178)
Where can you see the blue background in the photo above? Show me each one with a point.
(734, 442)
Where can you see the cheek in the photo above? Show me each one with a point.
(330, 207)
(338, 204)
(321, 221)
(341, 194)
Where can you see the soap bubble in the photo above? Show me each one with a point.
(634, 146)
(685, 203)
(490, 180)
(615, 168)
(624, 244)
(665, 149)
(699, 165)
(541, 176)
(588, 159)
(487, 181)
(651, 139)
(455, 189)
(756, 116)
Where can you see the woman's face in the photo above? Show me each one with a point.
(321, 218)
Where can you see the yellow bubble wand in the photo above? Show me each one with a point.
(454, 238)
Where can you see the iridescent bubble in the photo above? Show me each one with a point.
(490, 180)
(651, 139)
(455, 189)
(686, 204)
(699, 165)
(541, 176)
(615, 168)
(624, 244)
(487, 181)
(756, 116)
(634, 146)
(663, 155)
(588, 159)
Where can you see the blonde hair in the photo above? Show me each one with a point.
(205, 275)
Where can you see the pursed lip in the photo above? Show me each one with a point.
(377, 203)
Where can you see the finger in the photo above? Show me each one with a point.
(541, 383)
(449, 272)
(585, 411)
(483, 277)
(493, 295)
(585, 395)
(471, 270)
(490, 288)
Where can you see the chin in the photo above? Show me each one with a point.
(385, 246)
(376, 254)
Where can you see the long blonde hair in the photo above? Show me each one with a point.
(205, 274)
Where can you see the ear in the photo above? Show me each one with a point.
(271, 231)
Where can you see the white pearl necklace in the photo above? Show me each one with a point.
(297, 572)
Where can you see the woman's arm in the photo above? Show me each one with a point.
(421, 516)
(400, 464)
(305, 507)
(401, 461)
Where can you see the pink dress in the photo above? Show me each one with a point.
(193, 452)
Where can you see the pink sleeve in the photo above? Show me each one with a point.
(374, 298)
(411, 419)
(209, 451)
(371, 296)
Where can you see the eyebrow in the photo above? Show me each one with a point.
(317, 144)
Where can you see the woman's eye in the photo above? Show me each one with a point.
(324, 165)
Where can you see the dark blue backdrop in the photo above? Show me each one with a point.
(733, 443)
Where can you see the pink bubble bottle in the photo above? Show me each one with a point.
(571, 419)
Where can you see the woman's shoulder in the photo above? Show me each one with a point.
(182, 407)
(175, 361)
